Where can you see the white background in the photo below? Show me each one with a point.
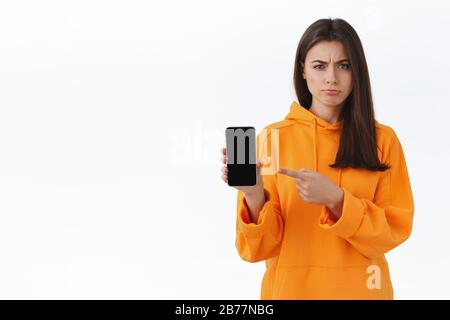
(112, 114)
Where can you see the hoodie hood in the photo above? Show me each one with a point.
(303, 116)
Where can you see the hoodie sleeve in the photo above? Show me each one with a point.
(375, 227)
(261, 240)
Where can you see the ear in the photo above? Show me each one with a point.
(303, 70)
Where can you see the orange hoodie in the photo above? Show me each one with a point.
(308, 254)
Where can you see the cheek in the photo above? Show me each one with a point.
(314, 83)
(347, 82)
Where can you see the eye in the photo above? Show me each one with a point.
(346, 66)
(319, 65)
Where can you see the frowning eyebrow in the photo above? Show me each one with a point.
(320, 61)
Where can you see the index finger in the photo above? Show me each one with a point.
(288, 172)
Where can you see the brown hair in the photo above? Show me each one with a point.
(357, 145)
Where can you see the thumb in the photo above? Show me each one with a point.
(258, 167)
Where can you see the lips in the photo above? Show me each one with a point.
(331, 92)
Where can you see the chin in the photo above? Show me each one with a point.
(331, 102)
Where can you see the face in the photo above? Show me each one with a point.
(327, 67)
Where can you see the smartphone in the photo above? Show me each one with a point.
(241, 156)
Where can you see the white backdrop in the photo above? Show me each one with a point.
(112, 114)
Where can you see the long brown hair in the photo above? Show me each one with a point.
(357, 144)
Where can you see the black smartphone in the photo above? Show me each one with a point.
(241, 156)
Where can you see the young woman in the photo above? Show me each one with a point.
(341, 197)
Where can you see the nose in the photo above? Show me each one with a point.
(330, 76)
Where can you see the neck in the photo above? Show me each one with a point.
(326, 112)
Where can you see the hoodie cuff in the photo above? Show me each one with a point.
(244, 221)
(350, 220)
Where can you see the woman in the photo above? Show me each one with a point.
(341, 197)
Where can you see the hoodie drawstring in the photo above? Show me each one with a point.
(315, 165)
(314, 144)
(339, 180)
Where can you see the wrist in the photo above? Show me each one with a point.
(255, 195)
(336, 203)
(336, 199)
